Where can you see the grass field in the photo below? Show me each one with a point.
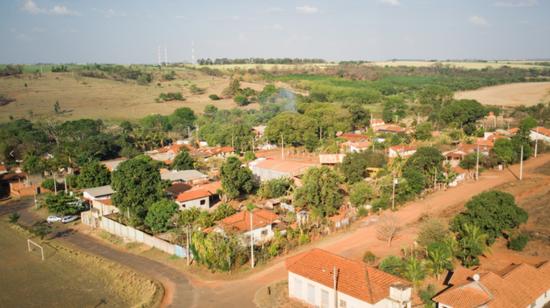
(514, 94)
(65, 279)
(462, 64)
(107, 99)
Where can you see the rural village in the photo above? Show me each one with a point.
(275, 182)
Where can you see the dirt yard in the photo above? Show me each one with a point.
(66, 278)
(514, 94)
(81, 97)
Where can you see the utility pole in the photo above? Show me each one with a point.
(394, 182)
(188, 253)
(521, 164)
(54, 184)
(335, 285)
(477, 163)
(537, 142)
(282, 147)
(65, 182)
(251, 241)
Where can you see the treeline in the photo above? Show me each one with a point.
(218, 61)
(116, 72)
(11, 70)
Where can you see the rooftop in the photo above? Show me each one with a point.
(291, 167)
(241, 221)
(183, 175)
(518, 285)
(100, 191)
(355, 278)
(541, 130)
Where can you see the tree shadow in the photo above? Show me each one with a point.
(101, 302)
(512, 173)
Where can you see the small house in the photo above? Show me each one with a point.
(259, 223)
(202, 196)
(98, 193)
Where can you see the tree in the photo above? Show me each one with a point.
(463, 113)
(493, 212)
(394, 109)
(440, 258)
(369, 257)
(236, 179)
(292, 127)
(424, 131)
(93, 174)
(387, 228)
(472, 244)
(392, 265)
(183, 161)
(62, 204)
(218, 252)
(182, 119)
(159, 215)
(354, 166)
(469, 161)
(320, 191)
(414, 270)
(275, 188)
(137, 186)
(360, 117)
(504, 150)
(431, 231)
(360, 193)
(426, 160)
(232, 89)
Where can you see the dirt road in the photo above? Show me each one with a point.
(240, 293)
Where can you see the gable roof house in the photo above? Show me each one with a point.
(323, 279)
(518, 285)
(191, 177)
(98, 193)
(201, 196)
(262, 227)
(269, 169)
(540, 133)
(401, 151)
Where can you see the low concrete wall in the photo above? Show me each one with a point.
(135, 235)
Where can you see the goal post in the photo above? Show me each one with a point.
(31, 243)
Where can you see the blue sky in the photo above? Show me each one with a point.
(130, 31)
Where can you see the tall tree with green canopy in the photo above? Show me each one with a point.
(493, 212)
(472, 243)
(236, 179)
(424, 131)
(181, 120)
(183, 161)
(427, 161)
(137, 186)
(320, 191)
(394, 109)
(504, 150)
(354, 166)
(292, 127)
(360, 117)
(159, 215)
(93, 174)
(463, 113)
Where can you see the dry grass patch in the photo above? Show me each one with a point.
(513, 94)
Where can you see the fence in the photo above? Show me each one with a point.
(135, 235)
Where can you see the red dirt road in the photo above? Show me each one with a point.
(361, 238)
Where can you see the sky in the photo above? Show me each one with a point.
(131, 31)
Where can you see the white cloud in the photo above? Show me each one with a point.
(516, 3)
(275, 27)
(478, 21)
(306, 9)
(390, 2)
(31, 7)
(62, 11)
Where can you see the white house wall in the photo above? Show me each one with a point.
(195, 204)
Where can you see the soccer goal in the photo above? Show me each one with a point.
(31, 244)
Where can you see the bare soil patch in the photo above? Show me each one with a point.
(513, 94)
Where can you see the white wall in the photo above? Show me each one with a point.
(258, 236)
(534, 136)
(195, 203)
(298, 288)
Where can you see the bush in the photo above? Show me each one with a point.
(518, 243)
(275, 188)
(14, 217)
(369, 257)
(171, 96)
(196, 90)
(427, 294)
(241, 100)
(214, 97)
(392, 265)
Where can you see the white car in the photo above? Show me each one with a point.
(53, 218)
(69, 218)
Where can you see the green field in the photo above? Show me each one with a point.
(64, 279)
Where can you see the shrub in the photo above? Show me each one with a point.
(369, 257)
(427, 294)
(518, 243)
(196, 90)
(14, 217)
(241, 100)
(171, 96)
(392, 265)
(214, 97)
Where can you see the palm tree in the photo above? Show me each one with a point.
(439, 258)
(414, 270)
(473, 243)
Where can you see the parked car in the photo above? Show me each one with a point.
(53, 218)
(69, 218)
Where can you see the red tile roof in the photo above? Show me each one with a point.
(403, 148)
(354, 137)
(392, 128)
(516, 286)
(542, 130)
(193, 195)
(240, 221)
(211, 187)
(292, 167)
(355, 278)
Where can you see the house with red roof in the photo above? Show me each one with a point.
(518, 285)
(266, 169)
(323, 279)
(540, 133)
(201, 196)
(403, 150)
(259, 223)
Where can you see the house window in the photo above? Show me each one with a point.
(203, 201)
(342, 304)
(311, 294)
(264, 232)
(324, 299)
